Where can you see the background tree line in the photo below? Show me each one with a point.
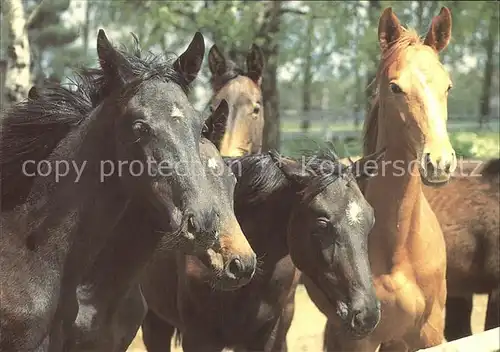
(320, 56)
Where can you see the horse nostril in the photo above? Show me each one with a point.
(357, 321)
(191, 226)
(447, 167)
(366, 320)
(235, 267)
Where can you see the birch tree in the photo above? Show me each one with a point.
(17, 73)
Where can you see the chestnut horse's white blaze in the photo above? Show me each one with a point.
(436, 111)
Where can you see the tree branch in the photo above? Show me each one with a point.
(35, 13)
(302, 13)
(293, 11)
(189, 15)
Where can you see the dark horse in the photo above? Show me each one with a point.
(309, 217)
(54, 223)
(467, 210)
(241, 89)
(113, 274)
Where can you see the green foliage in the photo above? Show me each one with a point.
(343, 46)
(54, 35)
(48, 34)
(480, 145)
(483, 145)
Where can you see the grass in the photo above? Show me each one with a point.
(467, 141)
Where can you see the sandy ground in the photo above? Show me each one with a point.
(306, 332)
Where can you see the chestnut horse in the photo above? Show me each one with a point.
(406, 246)
(242, 91)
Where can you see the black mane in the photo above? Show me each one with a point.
(31, 129)
(259, 177)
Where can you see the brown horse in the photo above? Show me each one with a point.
(406, 245)
(243, 93)
(468, 212)
(317, 220)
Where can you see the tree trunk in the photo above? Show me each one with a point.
(86, 27)
(307, 83)
(358, 82)
(358, 95)
(17, 77)
(374, 12)
(489, 45)
(420, 14)
(267, 39)
(433, 8)
(3, 70)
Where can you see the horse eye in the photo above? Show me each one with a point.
(395, 88)
(256, 109)
(449, 88)
(322, 223)
(141, 128)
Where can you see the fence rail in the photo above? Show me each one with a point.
(487, 341)
(342, 115)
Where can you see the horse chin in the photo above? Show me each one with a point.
(435, 181)
(335, 298)
(341, 305)
(225, 284)
(344, 312)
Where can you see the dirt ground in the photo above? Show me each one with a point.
(306, 332)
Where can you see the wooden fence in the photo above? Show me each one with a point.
(487, 341)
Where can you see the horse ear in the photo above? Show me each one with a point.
(109, 58)
(439, 34)
(367, 166)
(216, 124)
(188, 64)
(389, 29)
(292, 169)
(216, 61)
(33, 93)
(255, 64)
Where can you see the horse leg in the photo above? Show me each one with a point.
(156, 333)
(432, 331)
(128, 319)
(196, 343)
(264, 339)
(493, 310)
(272, 338)
(284, 323)
(457, 318)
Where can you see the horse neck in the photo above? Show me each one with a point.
(76, 213)
(265, 224)
(394, 194)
